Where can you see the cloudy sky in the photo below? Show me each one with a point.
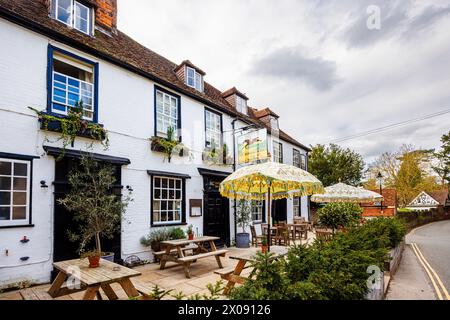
(315, 62)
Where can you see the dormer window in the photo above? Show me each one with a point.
(73, 14)
(274, 123)
(241, 105)
(194, 79)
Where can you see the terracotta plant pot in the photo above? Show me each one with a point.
(191, 236)
(264, 249)
(94, 262)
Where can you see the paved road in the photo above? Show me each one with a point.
(424, 272)
(433, 240)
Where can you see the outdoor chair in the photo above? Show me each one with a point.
(282, 236)
(256, 240)
(299, 220)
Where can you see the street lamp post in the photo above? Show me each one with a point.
(380, 180)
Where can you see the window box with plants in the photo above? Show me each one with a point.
(72, 125)
(218, 156)
(169, 145)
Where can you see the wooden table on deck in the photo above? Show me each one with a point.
(92, 279)
(175, 253)
(233, 275)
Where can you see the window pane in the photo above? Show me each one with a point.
(155, 216)
(157, 182)
(20, 169)
(5, 213)
(5, 183)
(81, 17)
(5, 198)
(5, 168)
(65, 11)
(164, 183)
(19, 213)
(20, 198)
(20, 184)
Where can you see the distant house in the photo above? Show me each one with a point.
(430, 200)
(387, 208)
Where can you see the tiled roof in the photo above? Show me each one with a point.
(234, 90)
(390, 197)
(264, 112)
(190, 64)
(440, 196)
(120, 49)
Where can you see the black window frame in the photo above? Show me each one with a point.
(221, 126)
(155, 115)
(169, 175)
(21, 157)
(294, 152)
(281, 151)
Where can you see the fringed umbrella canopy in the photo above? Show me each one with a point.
(342, 192)
(283, 181)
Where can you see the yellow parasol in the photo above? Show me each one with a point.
(276, 180)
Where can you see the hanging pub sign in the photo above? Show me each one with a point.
(252, 146)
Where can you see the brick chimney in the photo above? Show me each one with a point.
(106, 14)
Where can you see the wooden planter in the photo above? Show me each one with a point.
(56, 126)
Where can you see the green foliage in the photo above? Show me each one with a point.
(73, 125)
(337, 214)
(189, 229)
(334, 270)
(332, 164)
(442, 168)
(169, 145)
(214, 292)
(162, 234)
(158, 294)
(393, 229)
(243, 214)
(96, 210)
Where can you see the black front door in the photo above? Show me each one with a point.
(63, 248)
(216, 216)
(279, 210)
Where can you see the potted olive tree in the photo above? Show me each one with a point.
(243, 220)
(96, 209)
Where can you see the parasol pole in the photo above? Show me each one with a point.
(269, 231)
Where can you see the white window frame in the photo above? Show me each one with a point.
(277, 156)
(73, 4)
(259, 212)
(296, 155)
(67, 105)
(166, 118)
(241, 105)
(11, 222)
(175, 200)
(297, 204)
(197, 79)
(273, 121)
(212, 132)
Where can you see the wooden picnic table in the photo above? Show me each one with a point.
(233, 274)
(175, 252)
(92, 279)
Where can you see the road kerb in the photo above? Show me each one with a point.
(444, 290)
(436, 288)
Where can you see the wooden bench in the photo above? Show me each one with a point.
(143, 289)
(174, 251)
(34, 294)
(186, 261)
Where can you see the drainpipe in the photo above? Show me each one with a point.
(234, 169)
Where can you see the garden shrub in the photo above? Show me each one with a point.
(336, 215)
(334, 270)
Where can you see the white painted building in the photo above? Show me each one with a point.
(56, 52)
